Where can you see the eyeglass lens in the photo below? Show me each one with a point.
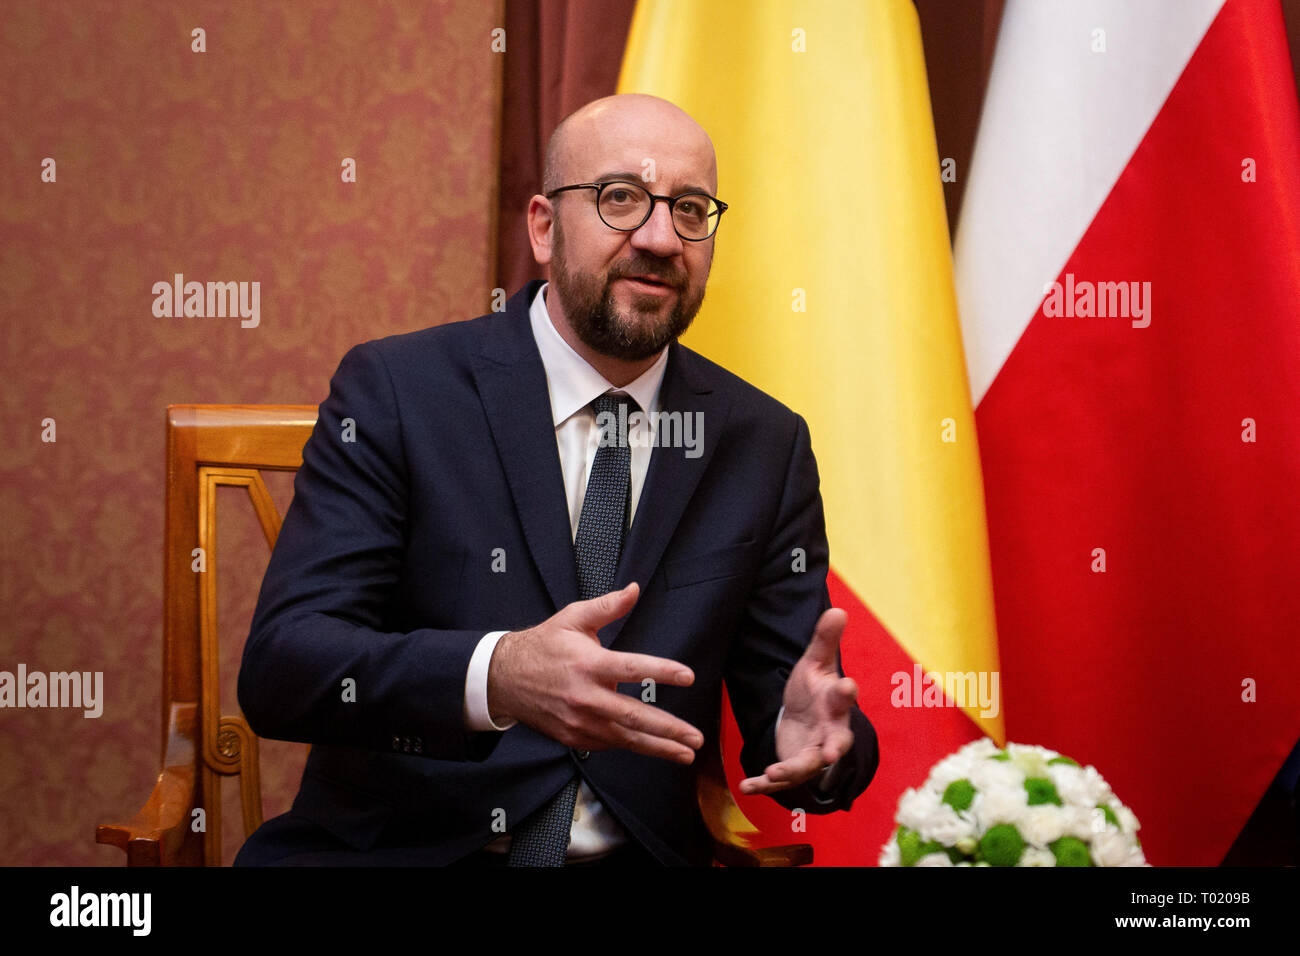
(627, 206)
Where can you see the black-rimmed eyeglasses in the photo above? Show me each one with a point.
(626, 206)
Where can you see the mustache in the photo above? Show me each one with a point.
(662, 271)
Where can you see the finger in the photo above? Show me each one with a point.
(765, 784)
(841, 697)
(787, 773)
(759, 785)
(632, 714)
(626, 668)
(593, 614)
(836, 746)
(803, 765)
(825, 644)
(617, 735)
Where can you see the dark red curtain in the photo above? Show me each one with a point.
(560, 54)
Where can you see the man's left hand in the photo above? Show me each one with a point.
(814, 730)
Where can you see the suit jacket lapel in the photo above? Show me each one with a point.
(672, 477)
(512, 384)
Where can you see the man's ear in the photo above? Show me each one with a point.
(541, 228)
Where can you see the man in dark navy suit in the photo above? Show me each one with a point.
(526, 551)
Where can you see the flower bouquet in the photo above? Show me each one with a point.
(1022, 806)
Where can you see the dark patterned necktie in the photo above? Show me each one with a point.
(543, 838)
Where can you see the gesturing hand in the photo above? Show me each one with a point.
(814, 730)
(559, 680)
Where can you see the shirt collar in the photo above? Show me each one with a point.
(572, 382)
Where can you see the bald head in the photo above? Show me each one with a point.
(626, 130)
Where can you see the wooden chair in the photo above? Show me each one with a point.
(209, 446)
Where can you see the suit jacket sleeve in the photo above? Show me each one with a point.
(321, 615)
(775, 629)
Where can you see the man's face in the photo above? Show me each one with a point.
(622, 317)
(628, 294)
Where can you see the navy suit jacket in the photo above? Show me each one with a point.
(384, 574)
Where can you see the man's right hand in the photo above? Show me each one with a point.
(559, 680)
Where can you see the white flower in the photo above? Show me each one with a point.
(1097, 781)
(1075, 786)
(949, 769)
(1067, 779)
(1017, 750)
(980, 749)
(1042, 824)
(1030, 761)
(999, 805)
(1128, 821)
(1110, 848)
(1135, 857)
(1078, 822)
(958, 766)
(889, 854)
(1036, 856)
(915, 807)
(934, 859)
(1082, 787)
(946, 826)
(996, 775)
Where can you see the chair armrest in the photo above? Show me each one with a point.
(732, 834)
(157, 834)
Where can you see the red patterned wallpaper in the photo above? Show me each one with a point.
(224, 166)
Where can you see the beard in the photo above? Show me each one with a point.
(631, 335)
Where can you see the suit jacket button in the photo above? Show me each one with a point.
(582, 754)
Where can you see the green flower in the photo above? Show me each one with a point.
(1041, 790)
(1109, 814)
(909, 842)
(1002, 845)
(1070, 851)
(959, 794)
(911, 849)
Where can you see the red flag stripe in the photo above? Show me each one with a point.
(1096, 434)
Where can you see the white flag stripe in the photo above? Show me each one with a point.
(1060, 123)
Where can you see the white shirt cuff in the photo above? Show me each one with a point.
(477, 716)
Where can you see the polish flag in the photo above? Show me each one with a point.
(1128, 275)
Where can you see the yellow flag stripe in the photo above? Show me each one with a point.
(832, 287)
